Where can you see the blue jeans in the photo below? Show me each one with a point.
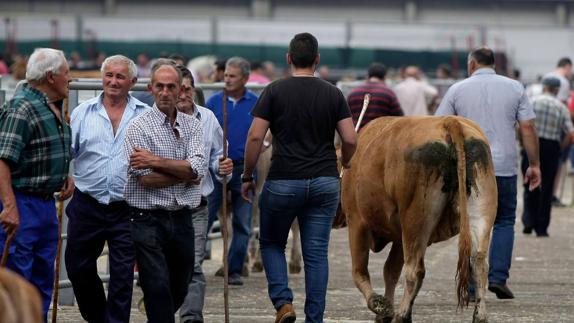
(314, 203)
(241, 222)
(164, 245)
(502, 241)
(33, 250)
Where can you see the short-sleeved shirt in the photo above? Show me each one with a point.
(383, 102)
(34, 142)
(100, 164)
(552, 117)
(495, 103)
(152, 131)
(238, 120)
(303, 113)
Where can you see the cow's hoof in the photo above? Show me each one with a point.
(257, 267)
(383, 319)
(294, 268)
(398, 319)
(380, 305)
(476, 318)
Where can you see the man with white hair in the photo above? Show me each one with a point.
(98, 213)
(414, 93)
(34, 161)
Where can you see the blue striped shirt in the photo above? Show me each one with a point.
(100, 163)
(496, 103)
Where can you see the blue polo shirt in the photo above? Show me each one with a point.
(239, 120)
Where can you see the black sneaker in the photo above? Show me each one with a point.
(235, 279)
(501, 290)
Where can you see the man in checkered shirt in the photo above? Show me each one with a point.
(166, 164)
(552, 121)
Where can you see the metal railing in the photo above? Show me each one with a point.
(93, 87)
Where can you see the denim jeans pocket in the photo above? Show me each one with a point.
(279, 196)
(143, 227)
(184, 223)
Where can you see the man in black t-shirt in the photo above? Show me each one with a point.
(303, 113)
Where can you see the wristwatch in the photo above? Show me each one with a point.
(246, 179)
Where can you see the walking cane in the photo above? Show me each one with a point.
(6, 250)
(358, 125)
(60, 210)
(223, 225)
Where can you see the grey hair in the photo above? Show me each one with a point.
(121, 59)
(166, 62)
(241, 63)
(42, 61)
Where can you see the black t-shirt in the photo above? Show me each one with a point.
(303, 113)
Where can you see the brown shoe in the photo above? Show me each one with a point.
(285, 314)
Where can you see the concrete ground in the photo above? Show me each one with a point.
(541, 279)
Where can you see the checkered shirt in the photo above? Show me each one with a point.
(152, 131)
(34, 142)
(552, 117)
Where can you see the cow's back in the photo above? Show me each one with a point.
(404, 160)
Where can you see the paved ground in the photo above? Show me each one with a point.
(541, 278)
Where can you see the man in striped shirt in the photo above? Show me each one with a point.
(166, 160)
(383, 100)
(34, 160)
(98, 213)
(552, 122)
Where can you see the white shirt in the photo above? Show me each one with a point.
(413, 95)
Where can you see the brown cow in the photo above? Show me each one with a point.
(415, 181)
(19, 301)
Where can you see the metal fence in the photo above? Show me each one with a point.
(81, 90)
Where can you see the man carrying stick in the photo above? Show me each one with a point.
(34, 161)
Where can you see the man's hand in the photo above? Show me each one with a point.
(533, 177)
(10, 219)
(246, 188)
(67, 189)
(225, 166)
(142, 159)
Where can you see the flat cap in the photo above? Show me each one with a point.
(552, 82)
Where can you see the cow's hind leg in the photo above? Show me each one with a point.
(392, 273)
(482, 211)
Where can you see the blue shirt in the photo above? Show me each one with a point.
(495, 103)
(212, 145)
(100, 164)
(239, 120)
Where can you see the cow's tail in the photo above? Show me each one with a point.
(463, 269)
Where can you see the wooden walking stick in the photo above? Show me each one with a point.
(223, 225)
(6, 250)
(358, 125)
(60, 211)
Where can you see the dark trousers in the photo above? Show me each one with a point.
(538, 203)
(164, 244)
(90, 225)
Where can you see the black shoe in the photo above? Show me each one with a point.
(543, 235)
(235, 279)
(527, 230)
(501, 290)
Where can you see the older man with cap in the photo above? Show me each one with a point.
(555, 131)
(34, 160)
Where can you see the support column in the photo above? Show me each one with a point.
(261, 8)
(561, 15)
(410, 11)
(110, 7)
